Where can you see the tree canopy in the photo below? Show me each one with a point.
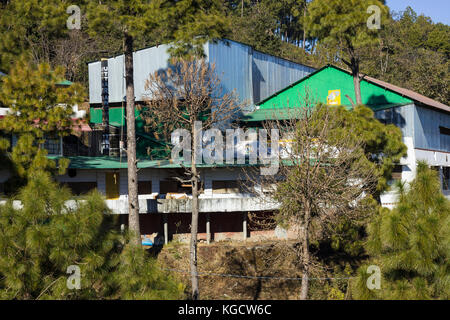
(39, 109)
(47, 234)
(410, 244)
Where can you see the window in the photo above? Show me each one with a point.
(385, 116)
(397, 172)
(225, 186)
(168, 186)
(53, 146)
(174, 186)
(105, 144)
(79, 188)
(445, 178)
(144, 187)
(444, 130)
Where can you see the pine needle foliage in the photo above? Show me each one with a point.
(39, 108)
(40, 239)
(411, 243)
(142, 279)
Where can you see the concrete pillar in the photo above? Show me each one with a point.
(244, 226)
(208, 228)
(166, 228)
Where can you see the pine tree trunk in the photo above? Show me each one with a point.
(356, 80)
(194, 221)
(133, 203)
(305, 254)
(304, 28)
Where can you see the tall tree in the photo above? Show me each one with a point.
(411, 243)
(413, 53)
(324, 177)
(190, 97)
(186, 23)
(30, 27)
(39, 109)
(48, 238)
(269, 26)
(344, 24)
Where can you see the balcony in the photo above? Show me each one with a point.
(235, 204)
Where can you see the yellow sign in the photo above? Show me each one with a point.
(334, 97)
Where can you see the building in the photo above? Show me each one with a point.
(164, 202)
(425, 123)
(267, 85)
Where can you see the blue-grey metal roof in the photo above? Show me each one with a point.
(254, 75)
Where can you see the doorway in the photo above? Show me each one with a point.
(112, 185)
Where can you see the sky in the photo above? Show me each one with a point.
(438, 10)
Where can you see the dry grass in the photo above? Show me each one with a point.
(250, 259)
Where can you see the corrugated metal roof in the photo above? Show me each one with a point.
(65, 83)
(254, 75)
(410, 94)
(82, 162)
(62, 83)
(268, 114)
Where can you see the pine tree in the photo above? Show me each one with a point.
(187, 24)
(38, 109)
(45, 235)
(323, 179)
(411, 243)
(141, 278)
(343, 24)
(201, 104)
(30, 26)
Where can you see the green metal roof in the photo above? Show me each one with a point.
(117, 163)
(65, 83)
(273, 114)
(317, 85)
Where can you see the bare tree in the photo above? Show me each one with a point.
(189, 96)
(324, 176)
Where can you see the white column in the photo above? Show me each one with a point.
(244, 226)
(166, 228)
(208, 228)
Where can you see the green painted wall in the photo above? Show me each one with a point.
(144, 140)
(330, 78)
(116, 115)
